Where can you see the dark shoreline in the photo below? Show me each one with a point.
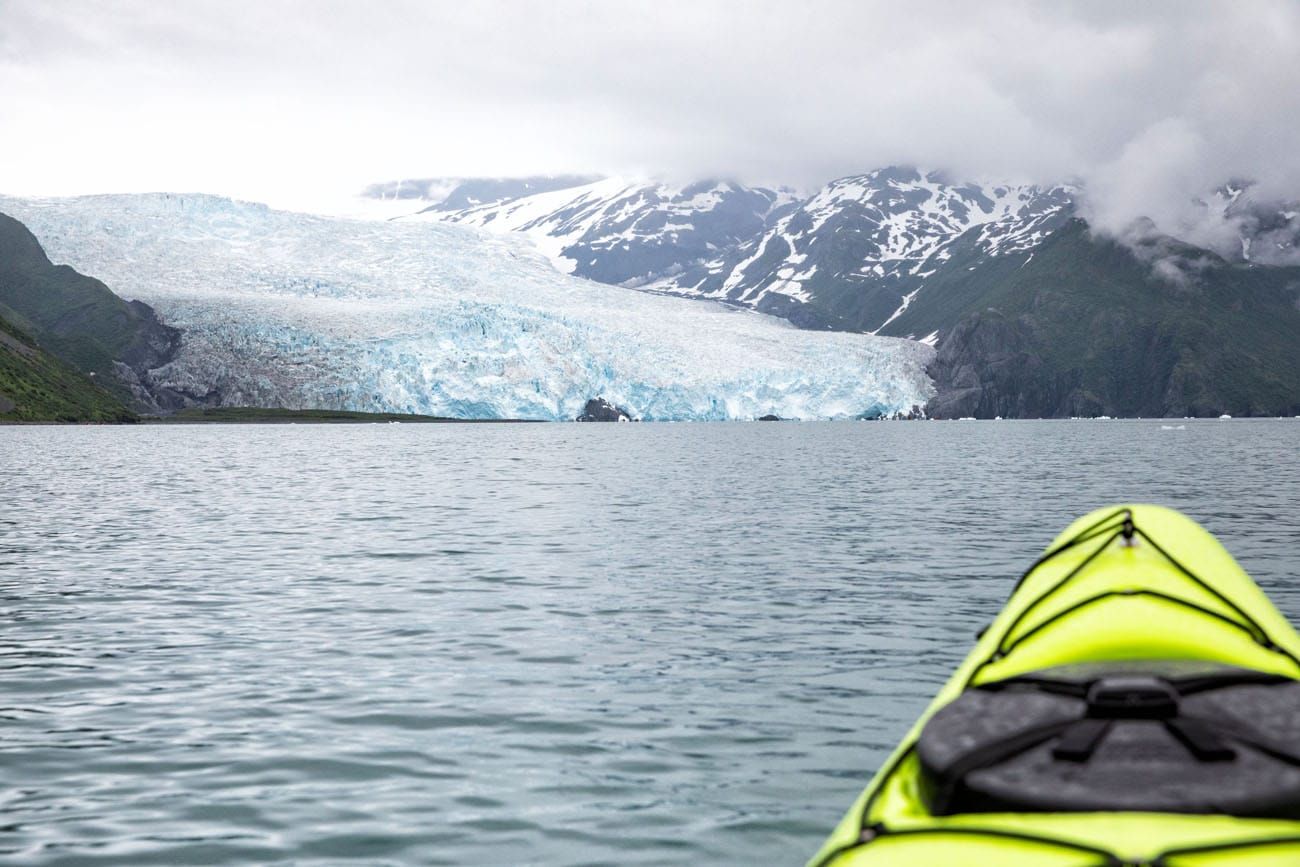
(256, 415)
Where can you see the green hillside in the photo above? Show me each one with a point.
(36, 386)
(75, 317)
(1091, 327)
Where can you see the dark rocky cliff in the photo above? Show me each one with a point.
(1093, 327)
(79, 320)
(989, 366)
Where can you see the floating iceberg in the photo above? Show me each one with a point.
(293, 310)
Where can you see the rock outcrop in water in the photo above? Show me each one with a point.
(599, 409)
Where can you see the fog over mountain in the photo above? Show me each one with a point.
(1148, 107)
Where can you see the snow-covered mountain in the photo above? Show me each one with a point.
(454, 194)
(861, 250)
(612, 230)
(286, 309)
(1241, 226)
(856, 255)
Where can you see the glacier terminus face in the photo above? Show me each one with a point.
(291, 310)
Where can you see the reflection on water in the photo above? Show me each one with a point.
(562, 644)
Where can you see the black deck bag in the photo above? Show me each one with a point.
(1156, 736)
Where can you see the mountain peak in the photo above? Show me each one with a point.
(856, 253)
(618, 230)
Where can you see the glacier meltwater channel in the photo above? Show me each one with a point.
(287, 309)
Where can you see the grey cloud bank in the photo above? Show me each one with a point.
(1149, 106)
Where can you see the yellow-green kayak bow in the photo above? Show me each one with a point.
(1123, 584)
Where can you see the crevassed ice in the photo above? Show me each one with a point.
(287, 309)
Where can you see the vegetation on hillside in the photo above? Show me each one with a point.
(75, 317)
(1091, 326)
(36, 386)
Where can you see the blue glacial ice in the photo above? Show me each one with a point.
(294, 310)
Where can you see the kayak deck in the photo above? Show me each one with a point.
(1121, 584)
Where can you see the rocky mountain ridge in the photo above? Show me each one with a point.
(857, 254)
(854, 256)
(615, 230)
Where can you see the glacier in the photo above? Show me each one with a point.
(296, 310)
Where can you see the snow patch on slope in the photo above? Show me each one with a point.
(622, 230)
(895, 226)
(553, 220)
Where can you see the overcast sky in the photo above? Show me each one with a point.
(1149, 103)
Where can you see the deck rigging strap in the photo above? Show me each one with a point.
(1119, 524)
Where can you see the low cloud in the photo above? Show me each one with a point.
(1151, 107)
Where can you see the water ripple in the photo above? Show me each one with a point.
(568, 644)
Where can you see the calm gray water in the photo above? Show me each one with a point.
(549, 644)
